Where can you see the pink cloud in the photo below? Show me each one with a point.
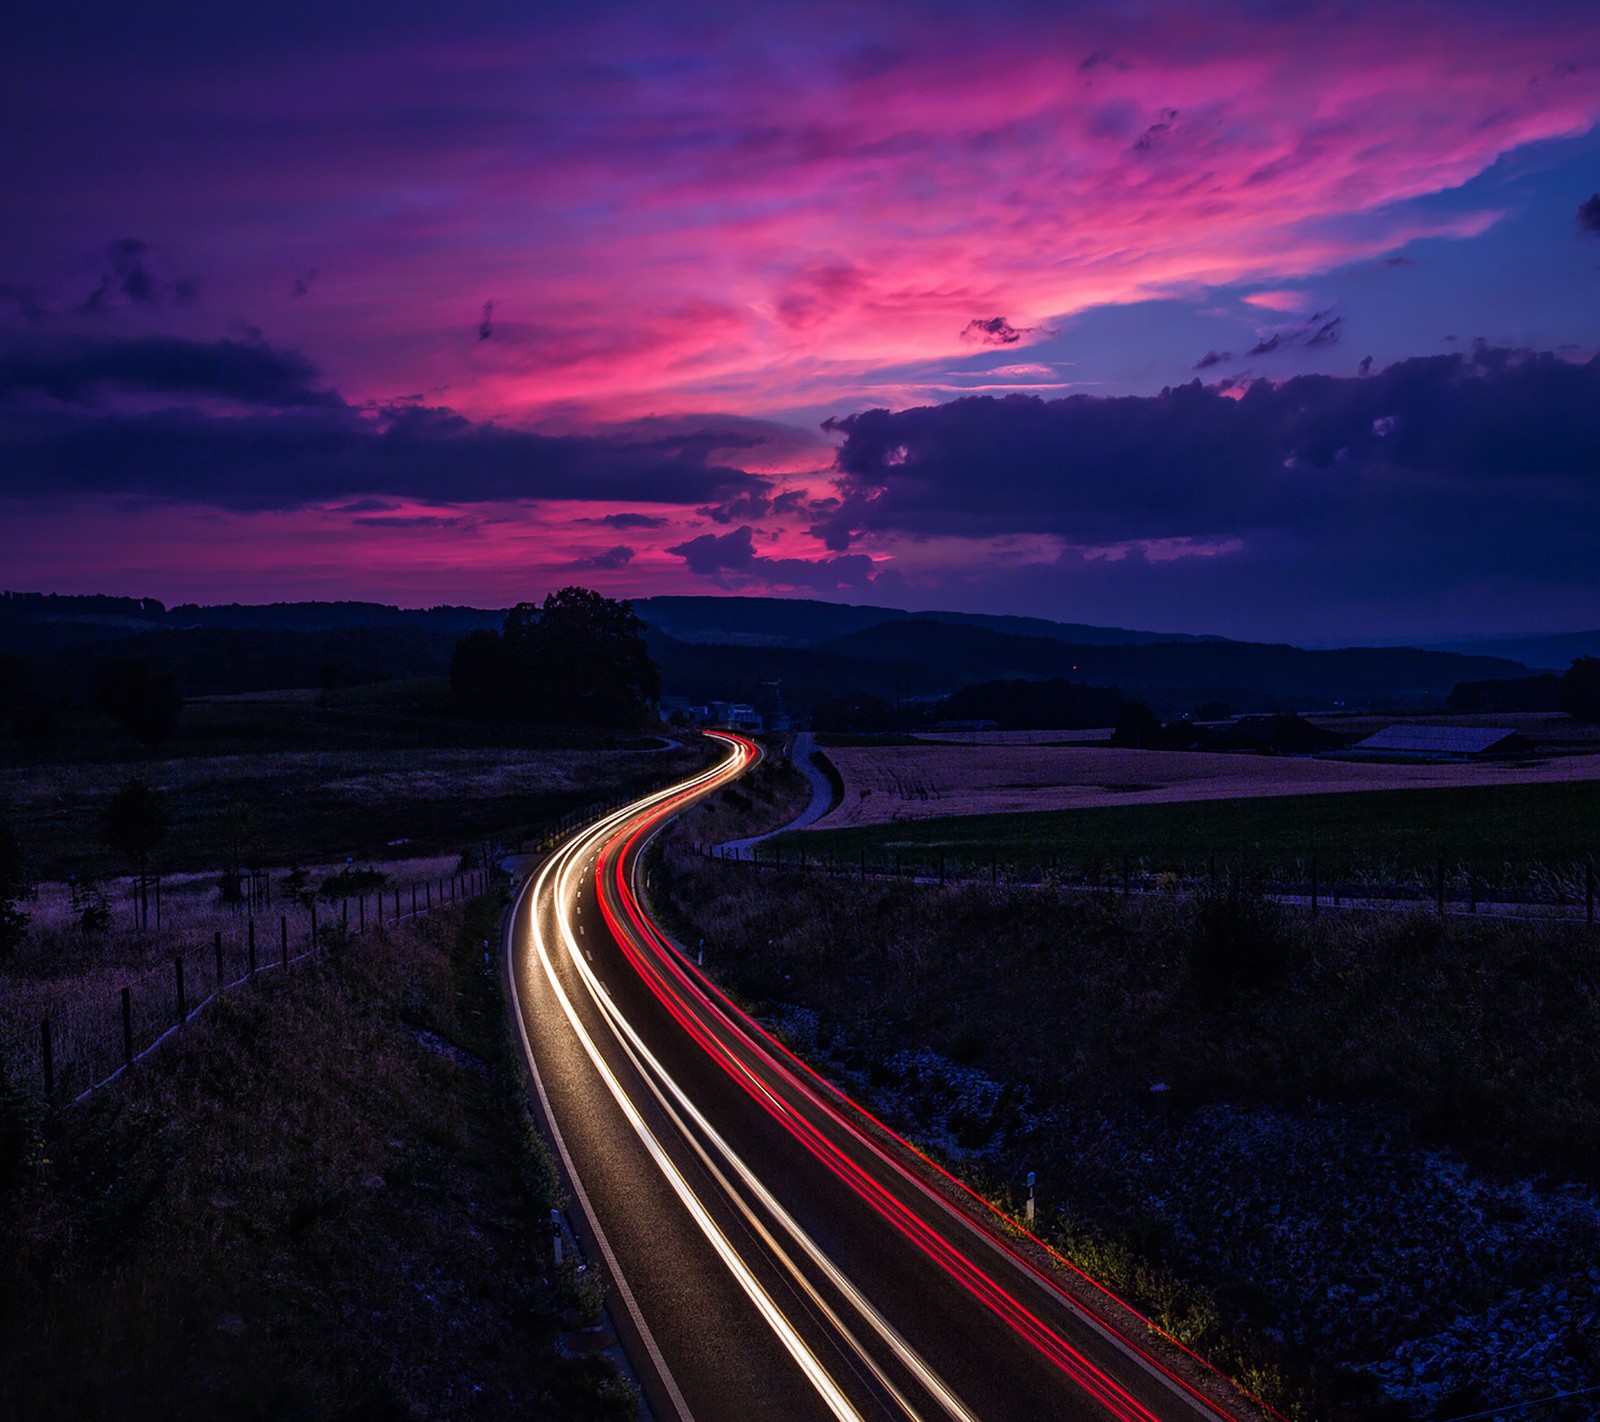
(1279, 300)
(755, 214)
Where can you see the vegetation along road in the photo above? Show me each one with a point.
(773, 1251)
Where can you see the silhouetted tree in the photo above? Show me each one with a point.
(143, 701)
(479, 671)
(13, 886)
(235, 829)
(1137, 725)
(579, 659)
(134, 824)
(1580, 689)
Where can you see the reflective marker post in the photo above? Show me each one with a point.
(1030, 1197)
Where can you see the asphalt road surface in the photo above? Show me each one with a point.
(773, 1252)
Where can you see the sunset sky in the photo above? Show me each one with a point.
(1266, 319)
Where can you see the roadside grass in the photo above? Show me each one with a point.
(1104, 1041)
(1504, 834)
(326, 1201)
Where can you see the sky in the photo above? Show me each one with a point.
(1264, 319)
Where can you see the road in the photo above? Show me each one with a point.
(773, 1252)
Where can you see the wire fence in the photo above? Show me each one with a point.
(93, 1039)
(1558, 892)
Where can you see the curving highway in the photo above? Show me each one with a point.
(773, 1251)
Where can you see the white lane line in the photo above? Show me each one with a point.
(913, 1361)
(809, 1365)
(619, 1280)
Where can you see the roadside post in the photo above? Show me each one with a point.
(1030, 1197)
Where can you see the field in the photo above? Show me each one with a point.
(1508, 834)
(1352, 1159)
(897, 784)
(362, 777)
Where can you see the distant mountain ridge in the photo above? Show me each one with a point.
(1555, 651)
(807, 622)
(731, 649)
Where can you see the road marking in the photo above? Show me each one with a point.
(810, 1366)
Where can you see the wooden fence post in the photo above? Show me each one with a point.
(127, 1028)
(47, 1056)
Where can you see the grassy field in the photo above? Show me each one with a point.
(1351, 1159)
(360, 777)
(326, 1202)
(1499, 832)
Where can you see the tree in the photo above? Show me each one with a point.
(134, 824)
(579, 659)
(13, 887)
(1137, 725)
(479, 670)
(143, 701)
(592, 664)
(1580, 689)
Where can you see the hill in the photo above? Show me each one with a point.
(805, 622)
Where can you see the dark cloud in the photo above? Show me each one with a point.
(754, 504)
(24, 300)
(791, 502)
(1102, 59)
(1428, 468)
(1589, 215)
(280, 440)
(628, 520)
(1321, 328)
(1156, 132)
(85, 371)
(611, 559)
(133, 274)
(731, 561)
(1399, 262)
(485, 330)
(996, 331)
(1366, 365)
(1211, 358)
(1325, 334)
(423, 522)
(366, 506)
(303, 283)
(718, 552)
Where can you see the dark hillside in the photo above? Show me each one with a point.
(1243, 673)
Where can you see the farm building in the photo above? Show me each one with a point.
(1442, 742)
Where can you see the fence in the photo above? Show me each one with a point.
(106, 1035)
(1560, 893)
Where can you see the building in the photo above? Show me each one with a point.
(1410, 742)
